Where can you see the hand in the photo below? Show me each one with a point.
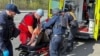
(37, 31)
(28, 43)
(43, 30)
(33, 44)
(32, 39)
(5, 53)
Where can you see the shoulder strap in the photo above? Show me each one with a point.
(73, 15)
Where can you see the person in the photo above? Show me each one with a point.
(7, 28)
(72, 25)
(57, 33)
(85, 12)
(30, 25)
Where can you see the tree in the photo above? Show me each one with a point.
(26, 4)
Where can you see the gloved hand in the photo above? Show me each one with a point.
(5, 53)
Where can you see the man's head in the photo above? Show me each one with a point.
(39, 13)
(62, 12)
(56, 11)
(70, 7)
(12, 10)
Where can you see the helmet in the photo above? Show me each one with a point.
(69, 7)
(40, 12)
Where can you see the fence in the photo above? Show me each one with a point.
(25, 4)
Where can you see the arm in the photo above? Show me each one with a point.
(32, 39)
(29, 22)
(1, 37)
(36, 32)
(39, 25)
(30, 28)
(50, 22)
(2, 29)
(5, 52)
(3, 49)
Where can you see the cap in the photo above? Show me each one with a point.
(13, 8)
(40, 12)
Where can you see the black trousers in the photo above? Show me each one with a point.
(68, 43)
(9, 47)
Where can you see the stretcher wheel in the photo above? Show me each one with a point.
(70, 49)
(34, 54)
(23, 54)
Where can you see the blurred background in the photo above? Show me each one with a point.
(25, 4)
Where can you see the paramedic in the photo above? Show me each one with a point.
(85, 12)
(72, 25)
(28, 24)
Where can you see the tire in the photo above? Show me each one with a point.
(23, 54)
(34, 54)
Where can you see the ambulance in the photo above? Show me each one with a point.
(86, 31)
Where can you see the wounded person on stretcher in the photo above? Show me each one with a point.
(38, 37)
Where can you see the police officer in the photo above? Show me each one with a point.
(7, 28)
(72, 26)
(58, 31)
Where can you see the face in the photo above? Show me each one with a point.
(62, 13)
(37, 16)
(12, 14)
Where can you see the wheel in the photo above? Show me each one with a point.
(23, 53)
(69, 49)
(34, 54)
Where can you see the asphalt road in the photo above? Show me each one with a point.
(82, 47)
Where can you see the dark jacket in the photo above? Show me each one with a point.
(6, 29)
(54, 21)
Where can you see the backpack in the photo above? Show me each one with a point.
(63, 20)
(71, 21)
(74, 22)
